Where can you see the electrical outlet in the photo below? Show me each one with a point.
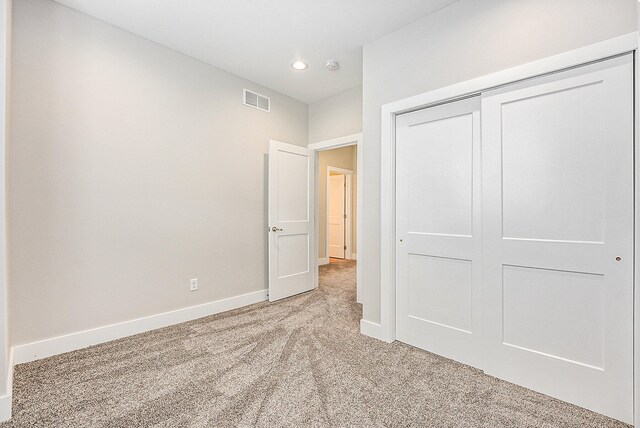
(194, 284)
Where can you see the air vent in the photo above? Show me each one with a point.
(258, 101)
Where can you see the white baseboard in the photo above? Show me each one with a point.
(373, 329)
(5, 407)
(5, 400)
(354, 256)
(71, 342)
(324, 261)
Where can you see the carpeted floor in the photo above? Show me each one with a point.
(297, 363)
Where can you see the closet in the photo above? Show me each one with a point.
(514, 226)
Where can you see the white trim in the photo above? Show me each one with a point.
(6, 365)
(354, 256)
(71, 342)
(5, 407)
(323, 261)
(349, 140)
(636, 276)
(336, 143)
(619, 45)
(10, 372)
(576, 57)
(6, 400)
(372, 329)
(348, 224)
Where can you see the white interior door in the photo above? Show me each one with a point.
(337, 215)
(438, 229)
(558, 235)
(291, 220)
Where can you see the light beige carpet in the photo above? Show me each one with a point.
(297, 363)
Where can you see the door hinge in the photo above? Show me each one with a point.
(345, 247)
(345, 216)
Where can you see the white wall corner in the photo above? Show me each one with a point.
(74, 341)
(323, 261)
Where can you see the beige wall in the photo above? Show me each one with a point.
(346, 158)
(468, 39)
(337, 116)
(133, 169)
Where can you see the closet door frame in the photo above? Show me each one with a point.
(385, 327)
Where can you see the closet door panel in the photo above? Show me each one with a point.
(438, 226)
(558, 235)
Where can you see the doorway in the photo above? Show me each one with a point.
(336, 175)
(338, 196)
(339, 219)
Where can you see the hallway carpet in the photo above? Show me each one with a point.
(300, 362)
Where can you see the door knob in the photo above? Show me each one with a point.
(275, 229)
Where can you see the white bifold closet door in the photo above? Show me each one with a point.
(438, 229)
(524, 268)
(558, 235)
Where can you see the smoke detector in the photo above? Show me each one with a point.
(331, 64)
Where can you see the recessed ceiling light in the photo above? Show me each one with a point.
(299, 65)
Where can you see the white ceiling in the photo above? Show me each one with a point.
(259, 39)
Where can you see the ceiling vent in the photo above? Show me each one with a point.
(258, 101)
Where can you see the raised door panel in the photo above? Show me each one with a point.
(439, 291)
(439, 176)
(553, 165)
(293, 195)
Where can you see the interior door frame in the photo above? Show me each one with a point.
(336, 143)
(348, 222)
(385, 327)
